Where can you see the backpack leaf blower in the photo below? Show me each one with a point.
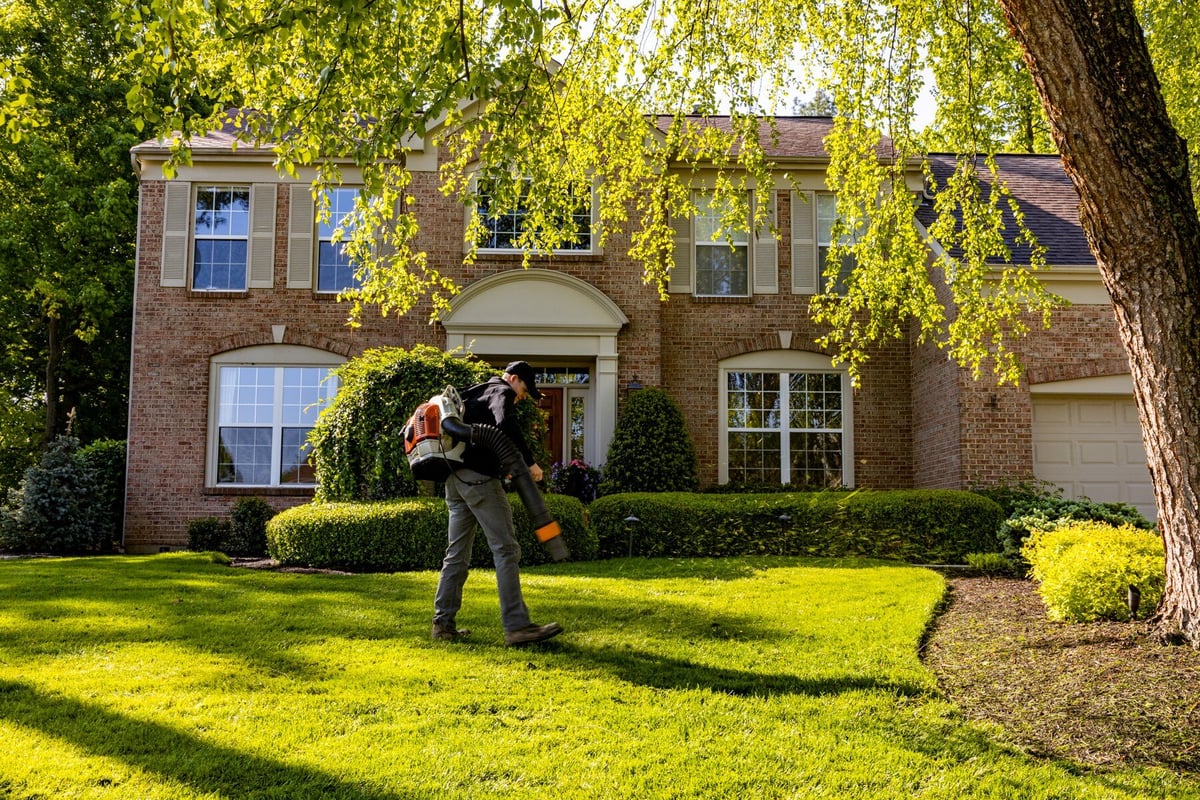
(435, 440)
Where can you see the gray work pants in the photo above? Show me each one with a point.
(472, 497)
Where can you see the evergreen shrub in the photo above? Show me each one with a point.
(1032, 508)
(66, 503)
(651, 450)
(208, 534)
(405, 534)
(1084, 569)
(248, 527)
(919, 526)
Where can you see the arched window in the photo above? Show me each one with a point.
(262, 404)
(786, 418)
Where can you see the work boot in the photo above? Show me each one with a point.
(532, 633)
(448, 633)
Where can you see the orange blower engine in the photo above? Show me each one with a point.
(435, 439)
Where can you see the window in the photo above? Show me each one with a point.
(335, 271)
(262, 419)
(787, 426)
(826, 219)
(502, 231)
(723, 264)
(222, 235)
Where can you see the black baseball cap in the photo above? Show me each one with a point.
(525, 372)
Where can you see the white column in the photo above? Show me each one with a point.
(606, 404)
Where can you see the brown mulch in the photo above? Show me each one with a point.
(1104, 694)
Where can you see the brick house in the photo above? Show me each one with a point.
(236, 325)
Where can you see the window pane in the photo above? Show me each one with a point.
(244, 456)
(722, 270)
(816, 459)
(305, 394)
(577, 428)
(219, 265)
(754, 457)
(293, 462)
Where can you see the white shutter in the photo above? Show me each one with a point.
(680, 279)
(177, 233)
(804, 243)
(301, 224)
(766, 254)
(261, 258)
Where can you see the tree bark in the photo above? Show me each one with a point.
(1091, 67)
(53, 357)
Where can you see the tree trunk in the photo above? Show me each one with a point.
(53, 357)
(1089, 62)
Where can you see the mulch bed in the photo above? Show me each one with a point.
(1104, 694)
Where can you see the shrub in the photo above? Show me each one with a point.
(248, 527)
(651, 450)
(577, 479)
(405, 534)
(922, 526)
(64, 504)
(104, 461)
(1085, 569)
(1048, 511)
(990, 564)
(357, 448)
(208, 533)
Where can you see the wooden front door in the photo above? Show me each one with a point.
(551, 405)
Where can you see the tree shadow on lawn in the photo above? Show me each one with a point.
(208, 609)
(173, 755)
(643, 668)
(733, 568)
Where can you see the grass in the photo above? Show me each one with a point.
(175, 677)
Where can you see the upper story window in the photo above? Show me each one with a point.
(826, 221)
(335, 270)
(221, 236)
(722, 264)
(502, 231)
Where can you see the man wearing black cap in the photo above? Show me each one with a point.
(474, 493)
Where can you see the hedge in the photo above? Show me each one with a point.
(406, 534)
(918, 526)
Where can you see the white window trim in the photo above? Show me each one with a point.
(783, 361)
(256, 356)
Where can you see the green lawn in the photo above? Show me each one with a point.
(174, 677)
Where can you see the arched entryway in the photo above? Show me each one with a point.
(567, 330)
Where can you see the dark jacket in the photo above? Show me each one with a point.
(492, 402)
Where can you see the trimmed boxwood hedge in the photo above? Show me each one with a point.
(406, 534)
(919, 526)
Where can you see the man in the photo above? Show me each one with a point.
(475, 493)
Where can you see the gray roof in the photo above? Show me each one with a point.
(1046, 196)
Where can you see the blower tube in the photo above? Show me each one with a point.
(489, 436)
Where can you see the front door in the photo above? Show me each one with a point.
(551, 405)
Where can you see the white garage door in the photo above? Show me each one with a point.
(1091, 446)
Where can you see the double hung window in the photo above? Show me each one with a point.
(826, 222)
(335, 270)
(221, 238)
(722, 263)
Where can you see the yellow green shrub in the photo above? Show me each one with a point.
(1084, 570)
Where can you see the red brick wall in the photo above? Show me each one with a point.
(916, 419)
